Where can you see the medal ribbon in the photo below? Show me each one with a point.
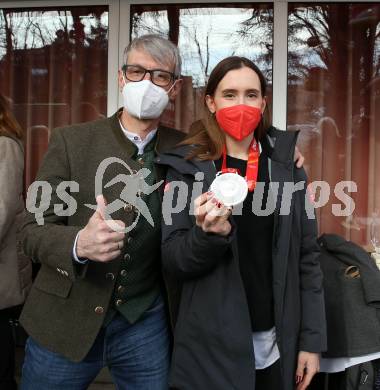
(252, 164)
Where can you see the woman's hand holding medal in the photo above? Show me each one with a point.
(211, 215)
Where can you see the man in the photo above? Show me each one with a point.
(98, 298)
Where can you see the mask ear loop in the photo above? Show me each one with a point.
(168, 91)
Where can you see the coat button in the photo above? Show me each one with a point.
(121, 290)
(123, 272)
(140, 160)
(129, 239)
(119, 302)
(128, 208)
(99, 310)
(110, 275)
(127, 256)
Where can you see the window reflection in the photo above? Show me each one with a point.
(334, 99)
(53, 67)
(205, 34)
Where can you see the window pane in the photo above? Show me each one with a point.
(334, 99)
(53, 67)
(205, 34)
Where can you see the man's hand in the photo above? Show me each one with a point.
(308, 366)
(97, 241)
(211, 215)
(299, 159)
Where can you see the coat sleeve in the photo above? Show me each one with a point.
(187, 251)
(11, 174)
(51, 243)
(313, 320)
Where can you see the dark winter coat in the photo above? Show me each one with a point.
(213, 340)
(352, 295)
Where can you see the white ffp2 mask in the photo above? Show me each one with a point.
(144, 100)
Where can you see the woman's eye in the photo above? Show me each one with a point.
(252, 95)
(228, 95)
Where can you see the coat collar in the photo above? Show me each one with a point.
(279, 146)
(164, 140)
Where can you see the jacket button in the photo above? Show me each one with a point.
(128, 208)
(127, 257)
(121, 289)
(119, 302)
(129, 239)
(123, 272)
(110, 275)
(140, 160)
(99, 310)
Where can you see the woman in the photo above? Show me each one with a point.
(15, 269)
(251, 312)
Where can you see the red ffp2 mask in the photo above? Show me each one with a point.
(239, 121)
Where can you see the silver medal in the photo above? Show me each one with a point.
(229, 188)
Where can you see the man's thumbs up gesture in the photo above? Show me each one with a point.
(97, 241)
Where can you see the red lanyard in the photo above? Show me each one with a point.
(252, 164)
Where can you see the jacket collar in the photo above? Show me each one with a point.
(279, 145)
(162, 143)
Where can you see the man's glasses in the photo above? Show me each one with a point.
(162, 78)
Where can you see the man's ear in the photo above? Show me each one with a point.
(120, 78)
(176, 88)
(210, 104)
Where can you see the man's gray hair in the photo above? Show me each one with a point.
(160, 49)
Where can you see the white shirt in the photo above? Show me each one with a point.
(137, 140)
(265, 348)
(340, 364)
(267, 353)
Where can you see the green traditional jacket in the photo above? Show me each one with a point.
(68, 302)
(139, 276)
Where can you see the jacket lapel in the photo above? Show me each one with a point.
(167, 139)
(209, 170)
(125, 143)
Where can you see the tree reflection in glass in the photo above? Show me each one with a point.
(333, 98)
(205, 34)
(53, 67)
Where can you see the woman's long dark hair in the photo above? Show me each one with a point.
(206, 133)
